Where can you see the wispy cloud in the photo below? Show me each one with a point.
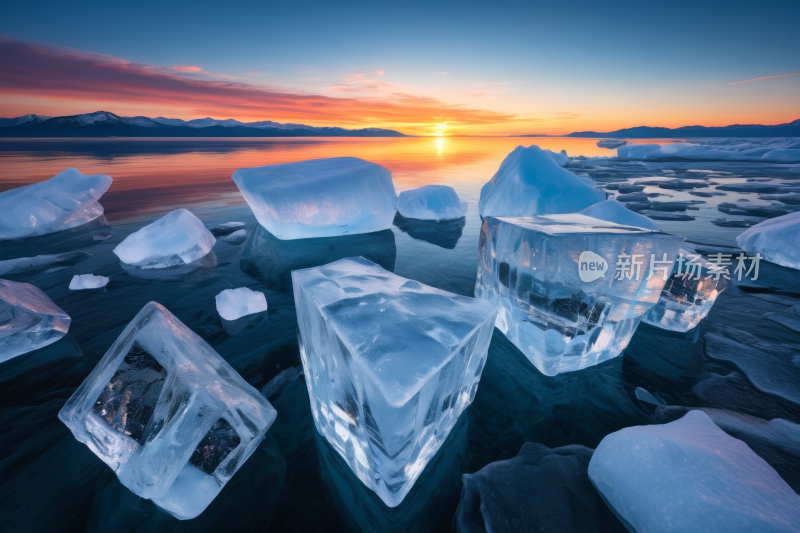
(766, 78)
(363, 83)
(67, 75)
(187, 69)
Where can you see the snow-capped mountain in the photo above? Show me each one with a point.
(103, 118)
(227, 123)
(24, 119)
(106, 124)
(144, 122)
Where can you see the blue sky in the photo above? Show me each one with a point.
(554, 67)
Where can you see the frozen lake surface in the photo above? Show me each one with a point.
(738, 360)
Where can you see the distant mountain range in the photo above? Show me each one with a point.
(105, 124)
(791, 129)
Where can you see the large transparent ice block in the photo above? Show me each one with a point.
(29, 320)
(688, 295)
(390, 364)
(320, 197)
(67, 200)
(533, 269)
(168, 414)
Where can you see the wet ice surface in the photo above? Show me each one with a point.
(295, 480)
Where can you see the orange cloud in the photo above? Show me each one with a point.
(32, 70)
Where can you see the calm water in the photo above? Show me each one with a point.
(295, 482)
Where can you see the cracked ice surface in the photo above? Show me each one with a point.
(319, 198)
(529, 268)
(67, 200)
(390, 365)
(29, 319)
(168, 414)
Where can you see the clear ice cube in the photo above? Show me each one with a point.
(29, 319)
(168, 414)
(687, 297)
(390, 364)
(530, 268)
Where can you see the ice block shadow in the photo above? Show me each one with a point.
(236, 327)
(198, 270)
(516, 403)
(246, 502)
(430, 504)
(270, 260)
(445, 233)
(96, 231)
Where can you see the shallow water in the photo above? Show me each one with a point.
(295, 481)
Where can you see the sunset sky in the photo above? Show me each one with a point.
(423, 68)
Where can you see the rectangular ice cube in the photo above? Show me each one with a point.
(533, 269)
(687, 297)
(390, 364)
(168, 414)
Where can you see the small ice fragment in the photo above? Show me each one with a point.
(67, 200)
(236, 238)
(319, 198)
(29, 319)
(87, 281)
(226, 228)
(646, 397)
(689, 475)
(431, 202)
(387, 387)
(530, 182)
(42, 262)
(614, 211)
(233, 304)
(168, 414)
(177, 238)
(276, 385)
(777, 240)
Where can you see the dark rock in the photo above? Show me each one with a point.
(541, 489)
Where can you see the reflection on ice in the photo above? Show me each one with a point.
(59, 242)
(201, 269)
(270, 260)
(443, 233)
(423, 509)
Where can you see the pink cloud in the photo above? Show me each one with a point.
(766, 78)
(68, 75)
